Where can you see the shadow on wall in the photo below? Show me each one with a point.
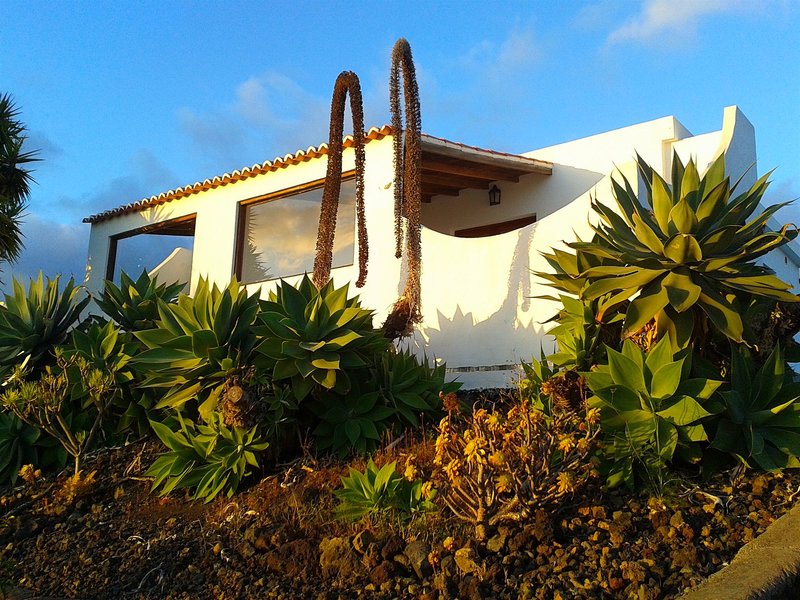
(474, 337)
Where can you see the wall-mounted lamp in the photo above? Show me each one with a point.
(494, 196)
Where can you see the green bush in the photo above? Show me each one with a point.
(650, 408)
(67, 400)
(199, 344)
(134, 304)
(353, 422)
(381, 490)
(105, 347)
(391, 394)
(410, 387)
(23, 444)
(760, 425)
(211, 458)
(32, 324)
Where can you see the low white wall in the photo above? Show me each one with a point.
(177, 267)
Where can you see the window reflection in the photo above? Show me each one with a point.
(280, 235)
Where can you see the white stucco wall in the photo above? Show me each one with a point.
(478, 295)
(175, 267)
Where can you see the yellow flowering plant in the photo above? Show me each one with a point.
(499, 465)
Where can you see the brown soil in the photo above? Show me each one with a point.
(119, 542)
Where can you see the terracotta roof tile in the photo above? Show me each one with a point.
(312, 152)
(375, 133)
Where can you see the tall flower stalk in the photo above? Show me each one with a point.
(407, 186)
(346, 82)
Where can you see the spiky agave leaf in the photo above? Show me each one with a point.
(688, 256)
(198, 344)
(133, 305)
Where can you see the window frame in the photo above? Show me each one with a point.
(241, 220)
(111, 261)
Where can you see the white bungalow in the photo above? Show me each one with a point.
(478, 248)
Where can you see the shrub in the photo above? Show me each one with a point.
(23, 444)
(353, 422)
(410, 387)
(198, 344)
(134, 304)
(211, 458)
(760, 425)
(67, 401)
(649, 407)
(32, 324)
(381, 490)
(501, 466)
(107, 348)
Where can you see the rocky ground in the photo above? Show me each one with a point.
(278, 539)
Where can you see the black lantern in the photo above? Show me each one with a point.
(494, 195)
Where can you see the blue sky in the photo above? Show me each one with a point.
(129, 99)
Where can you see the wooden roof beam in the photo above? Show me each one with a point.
(429, 189)
(445, 148)
(480, 183)
(468, 169)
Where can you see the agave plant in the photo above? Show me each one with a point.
(760, 425)
(111, 350)
(23, 444)
(353, 422)
(579, 335)
(686, 261)
(210, 458)
(649, 404)
(312, 336)
(198, 344)
(134, 304)
(410, 387)
(33, 323)
(380, 489)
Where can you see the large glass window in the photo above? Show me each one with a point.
(164, 247)
(279, 236)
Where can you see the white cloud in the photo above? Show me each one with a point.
(51, 247)
(267, 115)
(674, 18)
(518, 51)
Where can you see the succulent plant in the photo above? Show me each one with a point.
(381, 489)
(198, 344)
(760, 425)
(314, 336)
(353, 422)
(649, 404)
(32, 324)
(106, 347)
(134, 304)
(502, 466)
(23, 444)
(410, 387)
(210, 458)
(579, 335)
(686, 261)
